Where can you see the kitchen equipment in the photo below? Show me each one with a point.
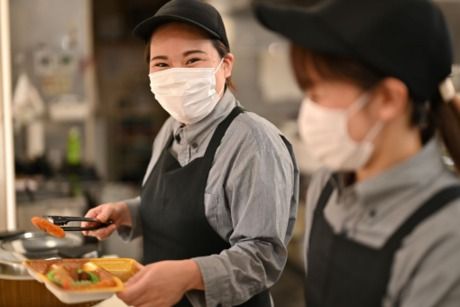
(63, 220)
(13, 271)
(36, 245)
(9, 234)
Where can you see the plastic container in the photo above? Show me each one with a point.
(121, 268)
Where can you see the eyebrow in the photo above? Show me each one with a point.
(186, 53)
(159, 57)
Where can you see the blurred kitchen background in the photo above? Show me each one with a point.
(74, 81)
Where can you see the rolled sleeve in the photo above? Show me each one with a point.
(215, 283)
(130, 233)
(237, 274)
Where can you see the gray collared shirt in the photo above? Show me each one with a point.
(250, 201)
(426, 269)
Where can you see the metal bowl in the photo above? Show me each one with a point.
(39, 245)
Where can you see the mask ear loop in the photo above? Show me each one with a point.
(219, 65)
(372, 134)
(359, 104)
(215, 71)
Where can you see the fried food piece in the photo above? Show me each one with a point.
(48, 227)
(76, 277)
(105, 279)
(60, 276)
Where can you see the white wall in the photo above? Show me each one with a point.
(2, 161)
(7, 193)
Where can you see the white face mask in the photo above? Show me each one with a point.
(187, 94)
(325, 133)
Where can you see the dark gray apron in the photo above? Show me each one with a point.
(344, 273)
(172, 210)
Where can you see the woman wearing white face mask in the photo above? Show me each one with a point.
(219, 197)
(382, 218)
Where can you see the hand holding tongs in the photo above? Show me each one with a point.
(62, 220)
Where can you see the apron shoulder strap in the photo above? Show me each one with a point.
(220, 132)
(324, 196)
(434, 204)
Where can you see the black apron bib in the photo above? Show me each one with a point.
(344, 273)
(174, 222)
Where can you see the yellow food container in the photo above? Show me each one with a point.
(121, 270)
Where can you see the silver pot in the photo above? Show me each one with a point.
(38, 245)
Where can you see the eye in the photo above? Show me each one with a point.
(160, 65)
(192, 61)
(157, 66)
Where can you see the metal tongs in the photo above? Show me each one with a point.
(62, 220)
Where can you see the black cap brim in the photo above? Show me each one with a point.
(302, 27)
(145, 29)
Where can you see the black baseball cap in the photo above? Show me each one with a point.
(405, 39)
(194, 12)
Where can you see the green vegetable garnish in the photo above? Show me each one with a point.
(84, 278)
(93, 277)
(51, 277)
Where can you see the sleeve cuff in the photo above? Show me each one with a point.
(215, 280)
(129, 233)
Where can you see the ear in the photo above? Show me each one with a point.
(456, 102)
(393, 97)
(229, 59)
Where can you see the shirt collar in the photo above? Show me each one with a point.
(195, 133)
(425, 166)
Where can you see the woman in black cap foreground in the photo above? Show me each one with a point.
(382, 222)
(219, 198)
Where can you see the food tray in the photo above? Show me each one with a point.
(121, 268)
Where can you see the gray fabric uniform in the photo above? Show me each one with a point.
(250, 200)
(426, 270)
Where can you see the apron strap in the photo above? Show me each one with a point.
(325, 195)
(220, 132)
(438, 201)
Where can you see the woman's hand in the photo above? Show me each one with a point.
(162, 284)
(117, 213)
